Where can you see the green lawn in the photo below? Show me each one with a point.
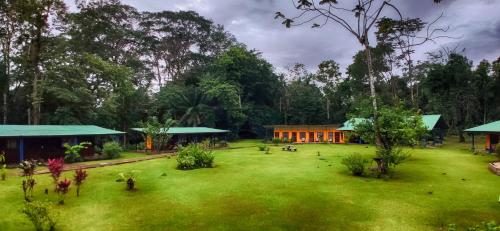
(252, 191)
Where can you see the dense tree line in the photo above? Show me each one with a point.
(111, 65)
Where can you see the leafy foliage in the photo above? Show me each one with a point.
(355, 163)
(79, 178)
(129, 178)
(262, 147)
(55, 167)
(40, 214)
(194, 156)
(158, 132)
(398, 127)
(63, 189)
(72, 153)
(112, 149)
(28, 170)
(485, 226)
(3, 166)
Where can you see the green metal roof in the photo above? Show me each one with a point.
(429, 121)
(189, 130)
(349, 125)
(54, 130)
(490, 127)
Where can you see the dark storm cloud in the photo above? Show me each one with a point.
(252, 22)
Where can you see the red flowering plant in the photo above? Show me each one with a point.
(62, 189)
(56, 167)
(80, 176)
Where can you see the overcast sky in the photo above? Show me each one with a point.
(476, 22)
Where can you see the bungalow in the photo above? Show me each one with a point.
(308, 133)
(20, 142)
(435, 125)
(492, 131)
(183, 135)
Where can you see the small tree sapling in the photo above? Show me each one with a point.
(80, 176)
(63, 189)
(55, 167)
(28, 170)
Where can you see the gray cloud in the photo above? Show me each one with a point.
(251, 21)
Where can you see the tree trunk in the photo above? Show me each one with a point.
(373, 94)
(36, 97)
(5, 108)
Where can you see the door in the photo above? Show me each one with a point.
(311, 136)
(337, 137)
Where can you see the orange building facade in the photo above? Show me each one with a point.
(309, 133)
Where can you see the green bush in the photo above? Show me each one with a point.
(276, 141)
(194, 156)
(485, 226)
(355, 163)
(111, 149)
(3, 166)
(40, 214)
(186, 162)
(72, 153)
(262, 147)
(223, 144)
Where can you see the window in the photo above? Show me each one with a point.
(11, 144)
(330, 137)
(319, 137)
(302, 137)
(276, 135)
(285, 135)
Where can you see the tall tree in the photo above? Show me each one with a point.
(36, 15)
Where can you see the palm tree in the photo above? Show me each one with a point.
(193, 104)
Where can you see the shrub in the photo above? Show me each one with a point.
(268, 150)
(111, 150)
(80, 176)
(194, 156)
(485, 226)
(72, 153)
(223, 144)
(3, 166)
(28, 167)
(276, 141)
(62, 189)
(56, 167)
(129, 178)
(186, 162)
(262, 147)
(40, 214)
(355, 163)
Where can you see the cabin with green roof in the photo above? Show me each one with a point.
(40, 142)
(181, 135)
(435, 124)
(492, 132)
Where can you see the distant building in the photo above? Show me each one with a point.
(492, 132)
(435, 124)
(21, 142)
(183, 135)
(308, 133)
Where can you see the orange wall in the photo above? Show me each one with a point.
(326, 134)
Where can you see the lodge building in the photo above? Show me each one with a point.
(309, 133)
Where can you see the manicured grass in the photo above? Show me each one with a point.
(280, 191)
